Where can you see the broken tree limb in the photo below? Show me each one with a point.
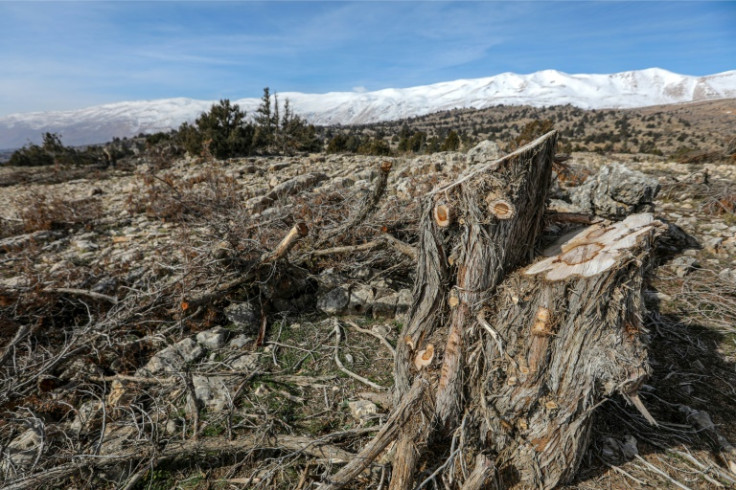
(381, 241)
(194, 451)
(296, 233)
(368, 206)
(83, 292)
(399, 417)
(288, 188)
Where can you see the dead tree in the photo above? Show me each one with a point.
(511, 362)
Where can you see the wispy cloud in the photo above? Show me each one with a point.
(61, 54)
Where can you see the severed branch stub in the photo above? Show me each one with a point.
(296, 233)
(501, 209)
(443, 215)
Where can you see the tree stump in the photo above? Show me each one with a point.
(512, 362)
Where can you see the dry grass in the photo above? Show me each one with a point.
(294, 386)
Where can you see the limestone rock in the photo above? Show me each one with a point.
(246, 316)
(362, 409)
(173, 358)
(88, 418)
(616, 192)
(385, 306)
(485, 151)
(728, 275)
(211, 391)
(245, 363)
(334, 301)
(361, 299)
(684, 265)
(212, 339)
(240, 341)
(22, 451)
(403, 304)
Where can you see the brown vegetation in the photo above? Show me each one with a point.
(94, 285)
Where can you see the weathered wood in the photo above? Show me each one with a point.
(399, 417)
(525, 355)
(498, 208)
(290, 187)
(443, 215)
(367, 207)
(521, 178)
(296, 233)
(573, 333)
(202, 450)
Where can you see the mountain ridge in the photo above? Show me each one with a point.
(630, 89)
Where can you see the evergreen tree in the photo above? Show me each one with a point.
(264, 122)
(452, 142)
(224, 130)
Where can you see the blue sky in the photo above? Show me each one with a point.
(66, 55)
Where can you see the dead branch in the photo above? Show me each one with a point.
(399, 417)
(381, 241)
(379, 188)
(381, 338)
(192, 451)
(365, 381)
(83, 292)
(288, 188)
(297, 232)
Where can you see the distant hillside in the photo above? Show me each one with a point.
(545, 88)
(669, 129)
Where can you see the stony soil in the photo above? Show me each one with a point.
(129, 351)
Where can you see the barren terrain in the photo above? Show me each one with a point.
(154, 334)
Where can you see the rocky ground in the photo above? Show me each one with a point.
(150, 337)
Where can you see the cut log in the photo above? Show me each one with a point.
(515, 360)
(296, 233)
(484, 247)
(574, 339)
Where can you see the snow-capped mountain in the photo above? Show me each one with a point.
(549, 87)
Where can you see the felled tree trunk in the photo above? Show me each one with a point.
(473, 232)
(558, 339)
(514, 361)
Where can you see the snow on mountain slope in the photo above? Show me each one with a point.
(653, 86)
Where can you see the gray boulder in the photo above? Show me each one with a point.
(728, 275)
(211, 391)
(212, 339)
(245, 316)
(334, 301)
(616, 192)
(172, 359)
(361, 299)
(485, 151)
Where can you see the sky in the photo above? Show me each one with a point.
(69, 55)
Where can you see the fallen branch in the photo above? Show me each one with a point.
(288, 188)
(381, 241)
(192, 451)
(374, 334)
(338, 337)
(297, 232)
(385, 436)
(368, 206)
(83, 292)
